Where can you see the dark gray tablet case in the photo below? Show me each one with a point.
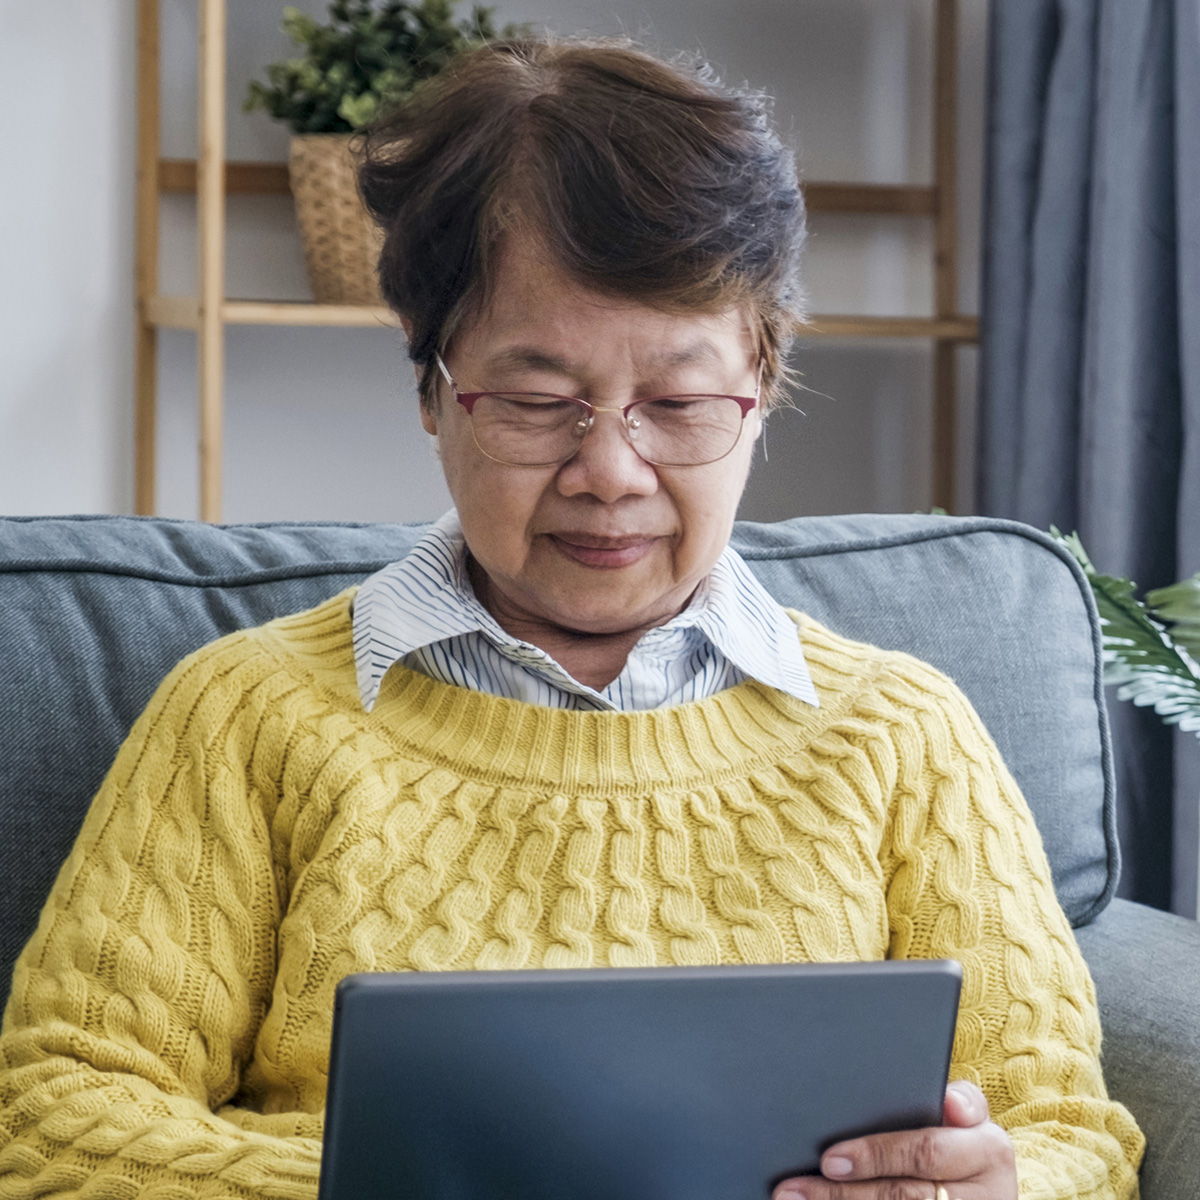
(674, 1083)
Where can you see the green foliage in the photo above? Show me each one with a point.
(1179, 605)
(1151, 648)
(367, 56)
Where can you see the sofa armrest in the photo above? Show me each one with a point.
(1146, 965)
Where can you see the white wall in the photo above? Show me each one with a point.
(66, 255)
(321, 423)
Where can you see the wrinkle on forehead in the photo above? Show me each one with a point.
(702, 351)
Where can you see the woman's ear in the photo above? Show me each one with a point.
(428, 416)
(407, 325)
(758, 414)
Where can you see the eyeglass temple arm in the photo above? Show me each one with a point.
(442, 368)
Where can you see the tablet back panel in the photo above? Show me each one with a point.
(697, 1083)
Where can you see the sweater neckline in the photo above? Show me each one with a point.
(504, 742)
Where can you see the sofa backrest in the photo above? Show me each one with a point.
(94, 611)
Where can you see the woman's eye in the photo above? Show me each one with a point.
(671, 403)
(679, 408)
(524, 409)
(534, 401)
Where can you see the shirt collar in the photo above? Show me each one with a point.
(745, 622)
(422, 598)
(426, 597)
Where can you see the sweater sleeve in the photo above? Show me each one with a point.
(135, 1006)
(967, 878)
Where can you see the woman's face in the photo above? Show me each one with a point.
(604, 543)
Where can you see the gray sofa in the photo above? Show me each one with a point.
(95, 610)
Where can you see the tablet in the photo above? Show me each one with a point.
(671, 1083)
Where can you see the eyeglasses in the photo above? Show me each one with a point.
(539, 429)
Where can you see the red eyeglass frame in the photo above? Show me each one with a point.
(469, 399)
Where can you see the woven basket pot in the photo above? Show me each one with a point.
(341, 242)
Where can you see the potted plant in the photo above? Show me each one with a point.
(1151, 646)
(365, 56)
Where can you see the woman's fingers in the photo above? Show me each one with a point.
(974, 1162)
(815, 1188)
(965, 1104)
(918, 1154)
(969, 1156)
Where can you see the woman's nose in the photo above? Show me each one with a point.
(606, 464)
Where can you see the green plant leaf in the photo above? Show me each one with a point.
(358, 110)
(1178, 607)
(300, 27)
(386, 49)
(1140, 655)
(256, 97)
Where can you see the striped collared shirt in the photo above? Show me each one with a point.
(422, 612)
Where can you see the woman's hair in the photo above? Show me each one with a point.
(641, 179)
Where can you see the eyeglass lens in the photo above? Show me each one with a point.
(530, 429)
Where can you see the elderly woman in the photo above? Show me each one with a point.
(570, 728)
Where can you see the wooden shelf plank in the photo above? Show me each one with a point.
(952, 329)
(911, 200)
(272, 312)
(262, 178)
(268, 178)
(182, 312)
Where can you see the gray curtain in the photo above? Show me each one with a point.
(1090, 364)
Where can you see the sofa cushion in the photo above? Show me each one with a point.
(1146, 967)
(94, 611)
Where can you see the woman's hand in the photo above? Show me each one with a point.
(970, 1156)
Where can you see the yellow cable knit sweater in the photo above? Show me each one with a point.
(260, 836)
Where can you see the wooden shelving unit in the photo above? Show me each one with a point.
(211, 179)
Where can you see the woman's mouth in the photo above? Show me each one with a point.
(593, 551)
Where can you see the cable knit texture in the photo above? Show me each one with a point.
(260, 836)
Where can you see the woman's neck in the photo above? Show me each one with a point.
(594, 659)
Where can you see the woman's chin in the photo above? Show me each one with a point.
(623, 615)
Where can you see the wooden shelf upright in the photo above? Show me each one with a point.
(210, 178)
